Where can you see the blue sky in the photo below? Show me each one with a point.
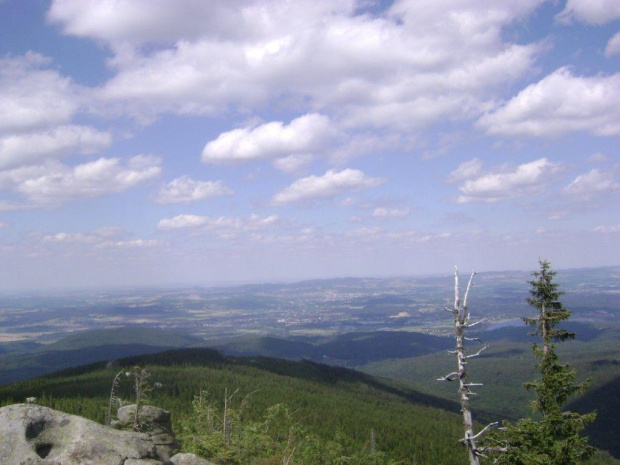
(187, 142)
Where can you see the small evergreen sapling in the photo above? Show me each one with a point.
(555, 439)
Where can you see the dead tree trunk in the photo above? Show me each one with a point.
(461, 322)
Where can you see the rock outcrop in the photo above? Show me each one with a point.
(189, 459)
(35, 435)
(155, 423)
(32, 434)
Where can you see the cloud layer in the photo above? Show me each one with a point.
(330, 185)
(558, 104)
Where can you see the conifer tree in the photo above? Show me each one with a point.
(555, 439)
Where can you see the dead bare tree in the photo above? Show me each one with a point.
(462, 322)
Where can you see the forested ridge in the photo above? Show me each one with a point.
(408, 426)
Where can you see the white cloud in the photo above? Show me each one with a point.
(598, 157)
(615, 228)
(186, 190)
(558, 104)
(225, 227)
(382, 213)
(293, 163)
(416, 63)
(71, 238)
(32, 97)
(613, 46)
(592, 183)
(590, 11)
(130, 244)
(331, 184)
(100, 239)
(465, 170)
(307, 133)
(29, 148)
(526, 179)
(54, 183)
(137, 22)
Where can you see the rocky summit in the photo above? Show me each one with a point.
(31, 434)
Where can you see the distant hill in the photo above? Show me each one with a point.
(90, 346)
(349, 349)
(355, 349)
(266, 346)
(605, 400)
(520, 333)
(128, 335)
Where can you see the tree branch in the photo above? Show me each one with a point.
(471, 279)
(477, 353)
(484, 320)
(451, 377)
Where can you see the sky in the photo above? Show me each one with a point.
(191, 142)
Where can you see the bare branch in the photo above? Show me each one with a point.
(477, 353)
(471, 280)
(484, 320)
(479, 450)
(451, 377)
(472, 339)
(457, 292)
(486, 429)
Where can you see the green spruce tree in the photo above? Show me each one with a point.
(555, 439)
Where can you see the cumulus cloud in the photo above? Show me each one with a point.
(293, 163)
(465, 170)
(55, 183)
(526, 179)
(590, 11)
(415, 63)
(307, 133)
(186, 190)
(33, 97)
(331, 184)
(613, 46)
(137, 22)
(384, 213)
(225, 227)
(29, 148)
(592, 183)
(558, 104)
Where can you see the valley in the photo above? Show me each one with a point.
(394, 332)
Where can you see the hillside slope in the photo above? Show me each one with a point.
(409, 426)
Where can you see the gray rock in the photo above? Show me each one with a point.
(148, 415)
(36, 435)
(189, 459)
(142, 462)
(156, 423)
(32, 434)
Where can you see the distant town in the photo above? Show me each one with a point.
(308, 308)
